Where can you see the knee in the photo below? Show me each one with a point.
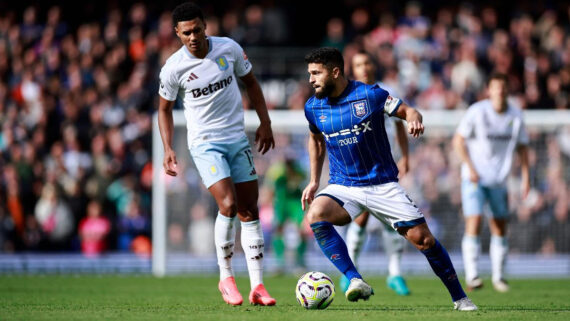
(421, 238)
(228, 206)
(426, 242)
(315, 214)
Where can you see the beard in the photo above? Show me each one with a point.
(326, 89)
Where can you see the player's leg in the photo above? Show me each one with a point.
(499, 247)
(332, 207)
(355, 235)
(224, 237)
(390, 203)
(252, 240)
(420, 236)
(247, 193)
(472, 204)
(394, 248)
(215, 171)
(279, 218)
(297, 216)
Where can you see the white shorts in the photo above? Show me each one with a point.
(388, 202)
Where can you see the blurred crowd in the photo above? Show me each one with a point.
(442, 61)
(77, 97)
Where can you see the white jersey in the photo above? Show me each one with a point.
(491, 139)
(208, 88)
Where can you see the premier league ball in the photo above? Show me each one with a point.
(314, 290)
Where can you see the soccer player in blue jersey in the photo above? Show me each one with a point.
(364, 70)
(346, 118)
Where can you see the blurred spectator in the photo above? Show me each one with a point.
(199, 232)
(132, 224)
(335, 34)
(55, 218)
(93, 231)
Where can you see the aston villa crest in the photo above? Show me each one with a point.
(222, 63)
(359, 108)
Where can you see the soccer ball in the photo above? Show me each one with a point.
(315, 290)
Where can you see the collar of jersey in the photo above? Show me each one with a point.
(191, 56)
(344, 93)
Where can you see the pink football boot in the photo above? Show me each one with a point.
(259, 296)
(230, 292)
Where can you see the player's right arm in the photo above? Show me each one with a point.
(461, 150)
(317, 150)
(166, 126)
(465, 129)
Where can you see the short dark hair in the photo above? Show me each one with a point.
(328, 56)
(498, 76)
(185, 12)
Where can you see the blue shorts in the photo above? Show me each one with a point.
(474, 196)
(218, 160)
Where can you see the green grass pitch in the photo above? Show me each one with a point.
(127, 298)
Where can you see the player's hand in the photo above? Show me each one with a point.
(309, 195)
(415, 128)
(473, 176)
(403, 166)
(170, 164)
(264, 138)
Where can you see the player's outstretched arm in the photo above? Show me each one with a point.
(413, 118)
(264, 134)
(166, 127)
(402, 138)
(317, 151)
(522, 150)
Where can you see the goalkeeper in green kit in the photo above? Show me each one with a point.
(286, 180)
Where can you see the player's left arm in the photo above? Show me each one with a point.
(402, 139)
(264, 134)
(522, 150)
(413, 117)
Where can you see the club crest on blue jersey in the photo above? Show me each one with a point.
(360, 108)
(222, 63)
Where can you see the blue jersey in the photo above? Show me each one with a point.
(356, 140)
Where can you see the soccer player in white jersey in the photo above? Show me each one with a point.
(486, 139)
(202, 73)
(346, 121)
(364, 70)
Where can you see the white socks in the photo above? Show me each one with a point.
(394, 247)
(354, 240)
(224, 238)
(498, 251)
(471, 247)
(253, 246)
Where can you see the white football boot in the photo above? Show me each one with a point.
(358, 289)
(464, 304)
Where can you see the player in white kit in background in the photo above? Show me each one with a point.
(486, 139)
(364, 70)
(202, 73)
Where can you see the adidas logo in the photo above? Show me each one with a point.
(192, 77)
